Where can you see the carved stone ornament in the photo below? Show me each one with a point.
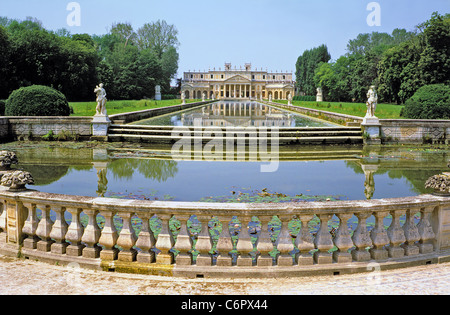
(17, 180)
(7, 158)
(440, 183)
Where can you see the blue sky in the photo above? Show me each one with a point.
(268, 33)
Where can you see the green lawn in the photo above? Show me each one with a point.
(118, 107)
(384, 111)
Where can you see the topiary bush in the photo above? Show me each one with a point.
(37, 100)
(429, 102)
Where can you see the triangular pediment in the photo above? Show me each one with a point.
(238, 79)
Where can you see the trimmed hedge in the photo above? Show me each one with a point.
(37, 100)
(429, 102)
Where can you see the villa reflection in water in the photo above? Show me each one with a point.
(232, 114)
(235, 114)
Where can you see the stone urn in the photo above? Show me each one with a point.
(17, 180)
(7, 158)
(440, 183)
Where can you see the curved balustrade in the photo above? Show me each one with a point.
(224, 238)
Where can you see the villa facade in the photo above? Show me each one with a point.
(242, 83)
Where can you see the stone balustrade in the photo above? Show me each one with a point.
(214, 239)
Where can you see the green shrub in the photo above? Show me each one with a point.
(2, 107)
(168, 97)
(37, 100)
(429, 102)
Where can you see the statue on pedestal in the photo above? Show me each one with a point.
(372, 100)
(183, 98)
(290, 99)
(101, 100)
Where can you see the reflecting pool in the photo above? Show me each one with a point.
(235, 114)
(304, 173)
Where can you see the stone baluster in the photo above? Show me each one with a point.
(427, 235)
(361, 238)
(109, 236)
(264, 244)
(127, 239)
(75, 233)
(411, 234)
(379, 237)
(30, 227)
(183, 243)
(165, 242)
(342, 240)
(204, 244)
(59, 231)
(304, 241)
(146, 241)
(284, 243)
(244, 245)
(43, 230)
(224, 244)
(323, 241)
(91, 235)
(396, 235)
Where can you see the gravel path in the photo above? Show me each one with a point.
(30, 277)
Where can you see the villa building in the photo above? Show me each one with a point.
(237, 84)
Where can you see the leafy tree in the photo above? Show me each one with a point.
(158, 36)
(5, 67)
(306, 67)
(422, 60)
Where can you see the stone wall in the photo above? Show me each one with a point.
(4, 128)
(21, 128)
(415, 131)
(27, 128)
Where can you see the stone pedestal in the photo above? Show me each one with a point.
(158, 93)
(100, 125)
(371, 127)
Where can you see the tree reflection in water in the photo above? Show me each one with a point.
(160, 170)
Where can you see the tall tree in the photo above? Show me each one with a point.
(306, 67)
(158, 36)
(5, 66)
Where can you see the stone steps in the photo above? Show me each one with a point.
(284, 136)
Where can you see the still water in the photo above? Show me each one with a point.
(304, 173)
(235, 114)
